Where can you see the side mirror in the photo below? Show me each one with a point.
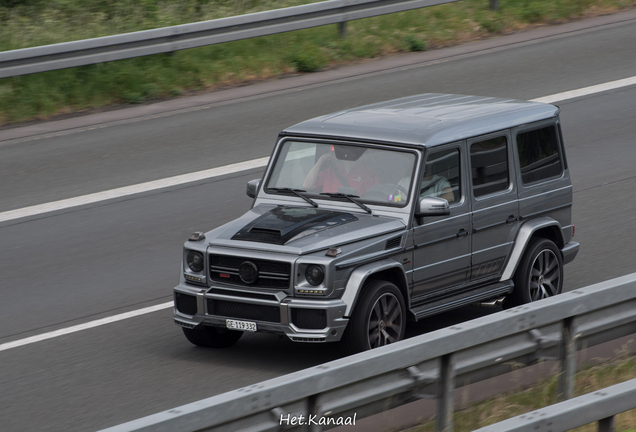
(432, 206)
(252, 187)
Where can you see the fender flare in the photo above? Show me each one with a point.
(360, 275)
(526, 231)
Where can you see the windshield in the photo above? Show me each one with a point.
(376, 175)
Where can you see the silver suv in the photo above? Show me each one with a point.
(369, 218)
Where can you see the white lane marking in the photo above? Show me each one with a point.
(238, 167)
(585, 91)
(132, 190)
(242, 166)
(80, 327)
(201, 175)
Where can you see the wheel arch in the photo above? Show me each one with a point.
(544, 227)
(388, 270)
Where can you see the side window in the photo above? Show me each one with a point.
(489, 162)
(442, 176)
(539, 154)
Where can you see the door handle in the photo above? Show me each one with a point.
(462, 233)
(511, 219)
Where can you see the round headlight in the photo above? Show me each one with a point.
(314, 275)
(195, 261)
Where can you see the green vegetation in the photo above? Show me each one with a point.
(542, 394)
(27, 23)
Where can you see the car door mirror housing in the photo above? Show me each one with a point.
(252, 187)
(432, 206)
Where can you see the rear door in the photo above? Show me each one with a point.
(495, 220)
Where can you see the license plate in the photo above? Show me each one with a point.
(241, 325)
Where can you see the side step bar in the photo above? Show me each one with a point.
(488, 292)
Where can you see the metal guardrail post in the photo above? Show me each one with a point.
(312, 409)
(606, 424)
(567, 360)
(342, 29)
(494, 5)
(445, 394)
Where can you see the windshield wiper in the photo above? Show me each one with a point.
(350, 198)
(296, 192)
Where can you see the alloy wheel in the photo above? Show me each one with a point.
(545, 275)
(385, 321)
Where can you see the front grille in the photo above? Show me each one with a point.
(314, 319)
(185, 303)
(271, 274)
(246, 311)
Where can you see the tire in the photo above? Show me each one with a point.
(379, 318)
(212, 337)
(539, 275)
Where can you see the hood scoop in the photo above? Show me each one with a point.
(282, 225)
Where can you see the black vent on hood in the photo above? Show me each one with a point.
(284, 224)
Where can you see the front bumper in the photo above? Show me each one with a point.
(302, 320)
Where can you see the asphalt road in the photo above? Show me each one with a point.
(81, 264)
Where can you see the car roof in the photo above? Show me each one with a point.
(424, 120)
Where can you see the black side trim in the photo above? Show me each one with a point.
(453, 291)
(460, 300)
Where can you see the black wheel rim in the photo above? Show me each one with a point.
(545, 275)
(385, 321)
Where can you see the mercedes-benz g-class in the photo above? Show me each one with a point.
(372, 217)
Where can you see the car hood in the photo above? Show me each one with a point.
(299, 230)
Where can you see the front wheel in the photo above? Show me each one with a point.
(379, 318)
(212, 337)
(539, 275)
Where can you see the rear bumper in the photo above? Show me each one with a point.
(288, 315)
(569, 252)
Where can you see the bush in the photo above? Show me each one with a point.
(415, 44)
(532, 16)
(492, 26)
(308, 59)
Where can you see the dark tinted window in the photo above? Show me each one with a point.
(539, 154)
(489, 162)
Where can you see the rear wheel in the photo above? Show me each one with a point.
(539, 275)
(379, 318)
(212, 337)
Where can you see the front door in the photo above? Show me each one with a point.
(442, 244)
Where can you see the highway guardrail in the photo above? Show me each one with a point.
(429, 365)
(600, 406)
(185, 36)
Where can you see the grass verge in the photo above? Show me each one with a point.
(37, 22)
(514, 403)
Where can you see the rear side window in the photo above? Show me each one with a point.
(489, 163)
(539, 156)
